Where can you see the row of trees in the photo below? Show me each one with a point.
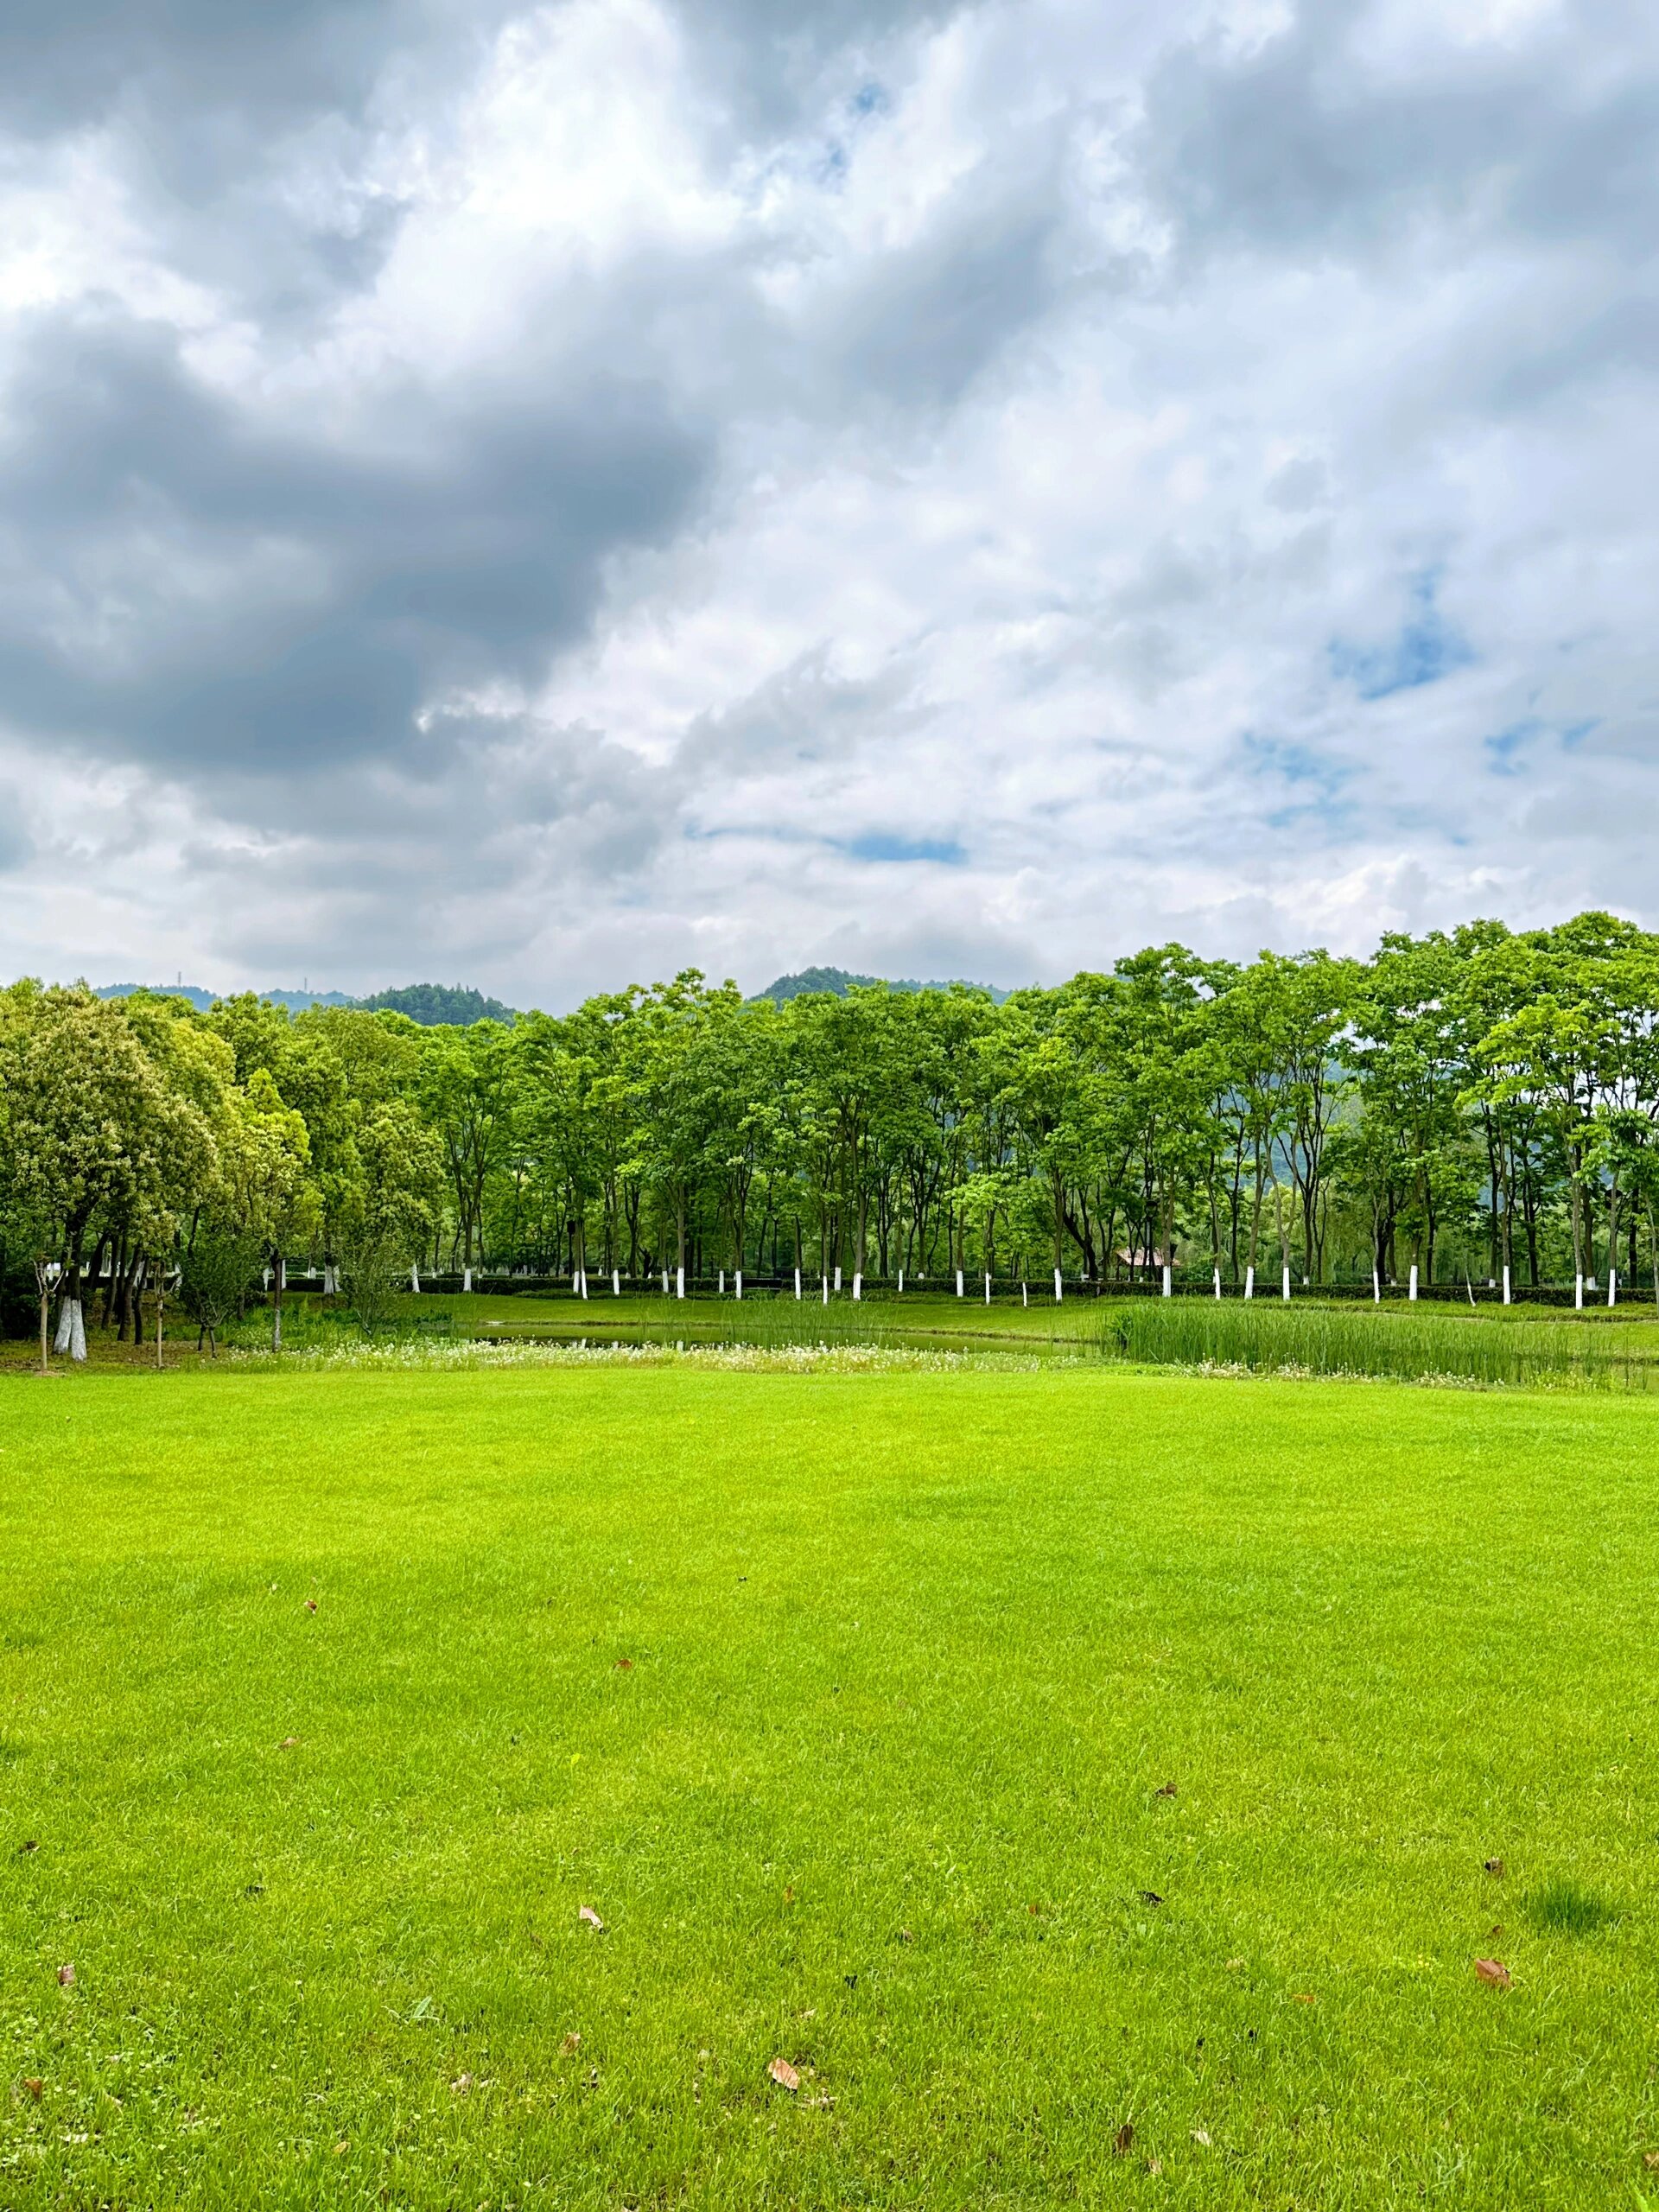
(1461, 1102)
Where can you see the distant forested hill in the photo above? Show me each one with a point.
(200, 999)
(840, 982)
(432, 1003)
(427, 1003)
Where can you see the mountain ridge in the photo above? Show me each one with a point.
(432, 1005)
(840, 981)
(435, 1005)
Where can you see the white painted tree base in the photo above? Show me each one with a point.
(71, 1336)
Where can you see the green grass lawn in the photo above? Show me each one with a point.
(911, 1655)
(929, 1313)
(937, 1315)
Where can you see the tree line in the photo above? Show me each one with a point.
(1463, 1101)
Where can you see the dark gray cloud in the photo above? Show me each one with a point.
(1312, 141)
(202, 106)
(68, 62)
(16, 844)
(190, 581)
(805, 713)
(924, 322)
(767, 65)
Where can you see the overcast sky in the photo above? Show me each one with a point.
(544, 498)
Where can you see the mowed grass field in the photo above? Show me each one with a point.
(1082, 1779)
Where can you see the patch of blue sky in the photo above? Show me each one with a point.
(886, 845)
(1314, 777)
(870, 99)
(1427, 648)
(699, 832)
(882, 845)
(1507, 750)
(1296, 763)
(1331, 814)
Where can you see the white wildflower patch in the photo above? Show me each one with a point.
(430, 1355)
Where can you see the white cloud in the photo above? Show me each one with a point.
(1095, 480)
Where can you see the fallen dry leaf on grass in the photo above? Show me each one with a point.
(1123, 2137)
(33, 2084)
(1306, 1997)
(310, 1604)
(586, 1913)
(460, 2086)
(625, 1666)
(1166, 1789)
(1650, 2160)
(1201, 2135)
(1494, 1867)
(905, 1936)
(784, 2074)
(65, 1976)
(571, 2045)
(1493, 1970)
(288, 1744)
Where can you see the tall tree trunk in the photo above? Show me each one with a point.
(72, 1329)
(43, 1286)
(117, 1248)
(1613, 1225)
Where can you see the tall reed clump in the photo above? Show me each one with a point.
(1271, 1338)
